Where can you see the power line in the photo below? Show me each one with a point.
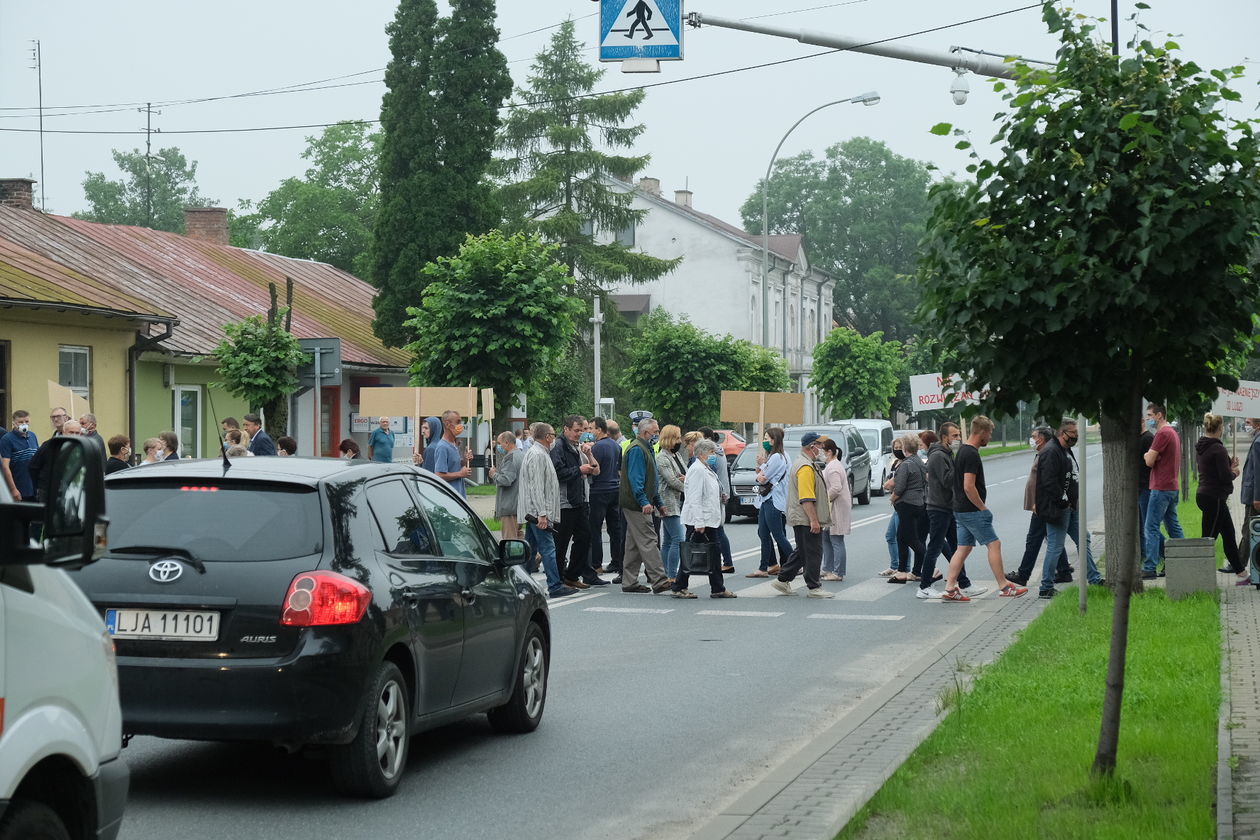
(514, 105)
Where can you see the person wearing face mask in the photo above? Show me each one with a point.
(722, 469)
(17, 448)
(809, 515)
(574, 466)
(349, 450)
(771, 503)
(119, 451)
(441, 455)
(1058, 489)
(1249, 492)
(1164, 459)
(835, 557)
(942, 534)
(154, 451)
(1217, 471)
(504, 474)
(1040, 438)
(672, 473)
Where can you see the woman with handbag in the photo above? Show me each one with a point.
(909, 501)
(670, 469)
(702, 512)
(835, 558)
(772, 503)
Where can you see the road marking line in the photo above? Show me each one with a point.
(573, 599)
(835, 617)
(627, 610)
(871, 590)
(741, 613)
(868, 520)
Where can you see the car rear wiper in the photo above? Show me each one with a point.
(162, 551)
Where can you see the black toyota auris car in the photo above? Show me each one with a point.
(311, 602)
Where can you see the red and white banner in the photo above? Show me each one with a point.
(927, 392)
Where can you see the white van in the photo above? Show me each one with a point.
(61, 773)
(878, 437)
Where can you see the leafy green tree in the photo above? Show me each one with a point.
(1102, 258)
(555, 173)
(492, 316)
(150, 193)
(763, 369)
(862, 209)
(445, 84)
(679, 371)
(258, 362)
(328, 214)
(856, 375)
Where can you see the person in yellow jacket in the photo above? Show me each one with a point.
(807, 519)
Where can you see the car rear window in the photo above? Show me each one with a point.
(216, 520)
(871, 438)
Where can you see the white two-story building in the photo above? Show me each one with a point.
(717, 286)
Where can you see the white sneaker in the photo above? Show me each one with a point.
(784, 588)
(975, 591)
(927, 594)
(820, 593)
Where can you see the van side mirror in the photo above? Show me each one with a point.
(513, 552)
(71, 509)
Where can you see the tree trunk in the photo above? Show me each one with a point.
(1120, 476)
(277, 413)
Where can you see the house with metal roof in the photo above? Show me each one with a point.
(128, 318)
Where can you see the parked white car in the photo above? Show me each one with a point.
(878, 437)
(61, 771)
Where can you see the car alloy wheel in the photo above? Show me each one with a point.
(534, 677)
(391, 729)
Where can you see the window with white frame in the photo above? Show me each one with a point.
(74, 369)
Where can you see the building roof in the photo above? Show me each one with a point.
(203, 284)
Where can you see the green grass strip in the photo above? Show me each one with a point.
(481, 490)
(1012, 759)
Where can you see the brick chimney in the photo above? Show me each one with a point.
(651, 186)
(683, 197)
(18, 193)
(209, 224)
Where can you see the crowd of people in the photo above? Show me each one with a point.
(661, 495)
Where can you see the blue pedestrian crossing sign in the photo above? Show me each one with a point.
(631, 29)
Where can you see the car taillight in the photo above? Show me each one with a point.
(318, 598)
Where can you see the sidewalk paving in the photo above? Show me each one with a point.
(813, 794)
(1238, 788)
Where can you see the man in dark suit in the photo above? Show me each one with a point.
(260, 443)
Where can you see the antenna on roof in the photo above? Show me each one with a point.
(227, 462)
(38, 67)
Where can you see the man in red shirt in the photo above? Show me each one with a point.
(1164, 459)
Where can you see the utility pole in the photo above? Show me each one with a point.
(148, 111)
(38, 67)
(596, 321)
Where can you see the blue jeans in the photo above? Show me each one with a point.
(835, 556)
(890, 537)
(1160, 510)
(942, 540)
(1057, 533)
(671, 536)
(1144, 501)
(772, 529)
(545, 544)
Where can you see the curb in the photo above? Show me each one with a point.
(1224, 737)
(738, 816)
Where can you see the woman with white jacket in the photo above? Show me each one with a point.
(702, 510)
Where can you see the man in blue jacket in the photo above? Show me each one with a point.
(640, 497)
(1249, 492)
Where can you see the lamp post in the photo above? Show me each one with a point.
(868, 98)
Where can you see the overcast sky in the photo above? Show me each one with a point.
(714, 135)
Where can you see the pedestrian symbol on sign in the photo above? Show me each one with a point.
(641, 13)
(640, 29)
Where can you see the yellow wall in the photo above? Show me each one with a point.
(33, 339)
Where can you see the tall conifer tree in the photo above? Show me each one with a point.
(446, 82)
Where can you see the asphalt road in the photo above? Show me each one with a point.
(659, 712)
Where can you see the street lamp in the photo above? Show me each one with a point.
(868, 98)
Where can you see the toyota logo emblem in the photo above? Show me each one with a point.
(166, 571)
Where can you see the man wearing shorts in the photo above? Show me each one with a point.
(973, 518)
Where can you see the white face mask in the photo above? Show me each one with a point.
(1032, 441)
(24, 427)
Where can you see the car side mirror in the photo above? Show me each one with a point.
(513, 552)
(71, 510)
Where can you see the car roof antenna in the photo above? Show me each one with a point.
(227, 462)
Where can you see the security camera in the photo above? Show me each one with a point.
(959, 89)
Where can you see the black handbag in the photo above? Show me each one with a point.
(699, 558)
